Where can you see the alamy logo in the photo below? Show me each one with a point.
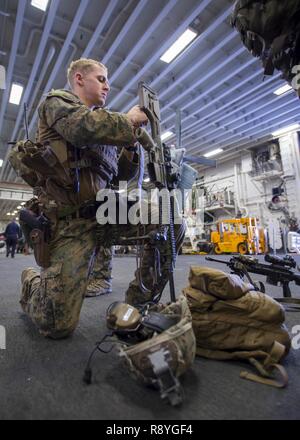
(2, 338)
(296, 339)
(296, 79)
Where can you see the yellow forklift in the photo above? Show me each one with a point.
(242, 236)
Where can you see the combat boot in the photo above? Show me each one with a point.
(98, 286)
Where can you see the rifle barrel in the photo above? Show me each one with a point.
(216, 260)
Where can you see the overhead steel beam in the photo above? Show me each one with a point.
(244, 134)
(196, 11)
(74, 28)
(236, 131)
(217, 122)
(200, 160)
(226, 128)
(259, 136)
(104, 18)
(9, 171)
(146, 35)
(206, 33)
(217, 100)
(94, 38)
(12, 59)
(15, 186)
(49, 22)
(15, 192)
(128, 25)
(208, 115)
(37, 61)
(211, 74)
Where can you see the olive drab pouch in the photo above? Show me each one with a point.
(270, 30)
(231, 321)
(36, 163)
(45, 162)
(16, 156)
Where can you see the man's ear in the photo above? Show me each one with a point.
(78, 79)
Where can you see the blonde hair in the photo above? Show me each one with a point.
(83, 65)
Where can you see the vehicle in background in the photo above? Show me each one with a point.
(241, 235)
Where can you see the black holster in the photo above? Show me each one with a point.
(39, 236)
(40, 248)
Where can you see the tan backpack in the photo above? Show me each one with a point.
(231, 321)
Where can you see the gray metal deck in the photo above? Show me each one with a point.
(42, 378)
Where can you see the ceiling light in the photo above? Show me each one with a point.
(214, 152)
(181, 43)
(23, 203)
(1, 162)
(147, 179)
(282, 90)
(8, 213)
(16, 94)
(166, 135)
(19, 207)
(40, 4)
(286, 130)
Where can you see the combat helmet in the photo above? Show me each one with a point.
(167, 352)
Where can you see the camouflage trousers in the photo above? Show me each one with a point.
(103, 264)
(53, 298)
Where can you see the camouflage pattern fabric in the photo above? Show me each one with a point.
(63, 113)
(66, 123)
(178, 343)
(53, 299)
(103, 264)
(100, 280)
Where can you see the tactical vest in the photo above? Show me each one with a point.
(101, 160)
(68, 175)
(270, 30)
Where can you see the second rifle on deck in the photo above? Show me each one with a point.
(278, 272)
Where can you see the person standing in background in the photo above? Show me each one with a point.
(12, 233)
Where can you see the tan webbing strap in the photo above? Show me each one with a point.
(263, 380)
(277, 352)
(267, 368)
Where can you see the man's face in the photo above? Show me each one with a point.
(95, 86)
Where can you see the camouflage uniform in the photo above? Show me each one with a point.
(100, 281)
(53, 298)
